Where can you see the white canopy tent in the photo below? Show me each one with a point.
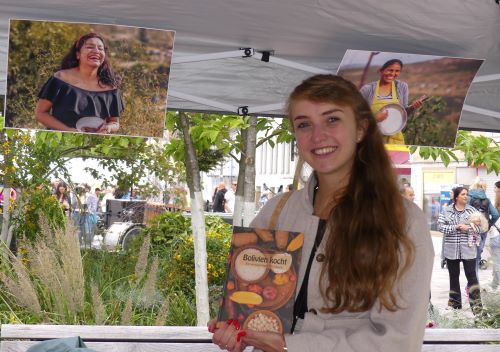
(220, 61)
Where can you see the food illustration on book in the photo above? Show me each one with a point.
(261, 279)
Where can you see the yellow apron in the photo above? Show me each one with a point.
(377, 104)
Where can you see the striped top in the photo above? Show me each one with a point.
(455, 242)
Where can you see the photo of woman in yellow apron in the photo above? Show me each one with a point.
(388, 90)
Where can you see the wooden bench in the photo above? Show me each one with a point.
(17, 338)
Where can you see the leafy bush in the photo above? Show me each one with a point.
(172, 242)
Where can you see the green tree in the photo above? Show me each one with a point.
(476, 150)
(29, 159)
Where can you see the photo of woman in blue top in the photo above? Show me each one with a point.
(85, 86)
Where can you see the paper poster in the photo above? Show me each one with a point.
(88, 78)
(416, 99)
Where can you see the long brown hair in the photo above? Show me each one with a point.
(105, 73)
(368, 248)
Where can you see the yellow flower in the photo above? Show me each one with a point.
(13, 319)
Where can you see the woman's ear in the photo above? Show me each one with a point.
(362, 127)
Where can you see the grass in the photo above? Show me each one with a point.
(463, 319)
(55, 282)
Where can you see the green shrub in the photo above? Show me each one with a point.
(172, 242)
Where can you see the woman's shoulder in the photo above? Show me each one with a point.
(470, 209)
(369, 86)
(401, 84)
(291, 203)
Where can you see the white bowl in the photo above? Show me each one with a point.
(89, 124)
(395, 121)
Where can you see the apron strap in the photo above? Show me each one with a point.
(277, 210)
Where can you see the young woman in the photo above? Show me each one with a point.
(63, 198)
(85, 86)
(370, 251)
(494, 235)
(477, 198)
(389, 90)
(454, 223)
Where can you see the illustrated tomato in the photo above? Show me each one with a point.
(255, 288)
(270, 293)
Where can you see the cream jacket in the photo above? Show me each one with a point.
(373, 330)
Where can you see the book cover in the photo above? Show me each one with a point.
(261, 279)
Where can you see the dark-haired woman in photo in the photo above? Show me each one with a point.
(454, 223)
(85, 86)
(389, 90)
(364, 278)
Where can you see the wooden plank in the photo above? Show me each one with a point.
(22, 346)
(461, 335)
(103, 333)
(460, 348)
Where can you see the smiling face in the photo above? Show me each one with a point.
(92, 53)
(390, 73)
(327, 135)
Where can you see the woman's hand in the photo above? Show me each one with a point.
(381, 115)
(108, 127)
(463, 227)
(417, 104)
(266, 341)
(228, 336)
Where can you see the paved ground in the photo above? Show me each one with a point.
(440, 279)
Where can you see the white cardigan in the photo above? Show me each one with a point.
(373, 330)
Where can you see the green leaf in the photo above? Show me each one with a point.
(123, 142)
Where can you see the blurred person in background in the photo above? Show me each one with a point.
(408, 192)
(478, 199)
(230, 197)
(454, 222)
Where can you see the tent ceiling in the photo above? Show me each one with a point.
(314, 32)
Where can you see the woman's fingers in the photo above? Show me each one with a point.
(381, 115)
(266, 341)
(226, 337)
(211, 325)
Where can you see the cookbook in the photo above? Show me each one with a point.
(261, 279)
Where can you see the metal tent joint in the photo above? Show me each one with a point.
(243, 110)
(266, 54)
(247, 52)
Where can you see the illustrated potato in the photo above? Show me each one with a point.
(281, 279)
(246, 297)
(244, 238)
(265, 235)
(281, 239)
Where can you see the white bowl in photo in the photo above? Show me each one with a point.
(89, 124)
(395, 121)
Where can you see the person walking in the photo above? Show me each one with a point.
(494, 235)
(219, 200)
(230, 198)
(478, 199)
(453, 222)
